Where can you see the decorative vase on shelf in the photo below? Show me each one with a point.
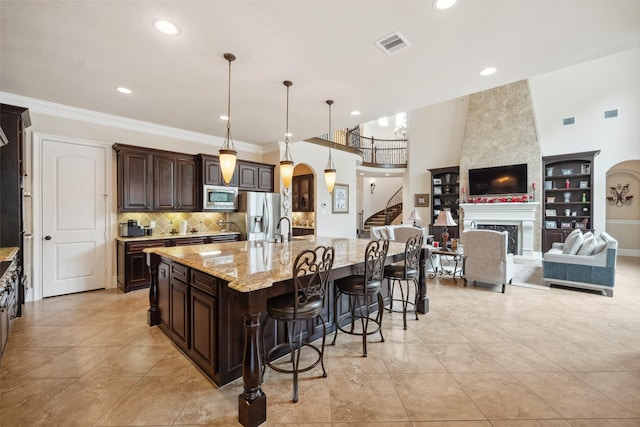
(567, 197)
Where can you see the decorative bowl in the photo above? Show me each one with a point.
(551, 199)
(567, 171)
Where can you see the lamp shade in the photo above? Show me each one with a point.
(445, 219)
(415, 216)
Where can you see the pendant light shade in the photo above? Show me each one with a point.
(330, 169)
(286, 164)
(228, 150)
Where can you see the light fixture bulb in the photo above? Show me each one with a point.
(330, 169)
(124, 90)
(166, 27)
(487, 71)
(286, 164)
(443, 4)
(228, 151)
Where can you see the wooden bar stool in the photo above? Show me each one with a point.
(310, 276)
(361, 289)
(405, 272)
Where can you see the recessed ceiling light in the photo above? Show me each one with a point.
(355, 113)
(488, 71)
(224, 117)
(361, 173)
(443, 4)
(166, 27)
(124, 90)
(386, 174)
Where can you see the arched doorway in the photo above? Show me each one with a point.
(623, 206)
(303, 200)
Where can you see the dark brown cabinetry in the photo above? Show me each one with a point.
(567, 196)
(14, 121)
(133, 271)
(203, 322)
(445, 183)
(164, 296)
(255, 176)
(155, 180)
(302, 193)
(179, 306)
(301, 231)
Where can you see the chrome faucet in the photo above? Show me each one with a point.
(289, 221)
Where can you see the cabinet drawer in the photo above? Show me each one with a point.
(190, 241)
(225, 238)
(134, 247)
(204, 282)
(180, 272)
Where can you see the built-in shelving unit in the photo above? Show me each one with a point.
(445, 184)
(567, 196)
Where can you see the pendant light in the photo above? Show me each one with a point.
(228, 150)
(330, 169)
(286, 164)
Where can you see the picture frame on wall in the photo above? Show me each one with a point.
(550, 224)
(340, 198)
(585, 169)
(422, 200)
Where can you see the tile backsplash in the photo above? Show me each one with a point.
(166, 221)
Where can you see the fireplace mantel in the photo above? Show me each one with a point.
(521, 214)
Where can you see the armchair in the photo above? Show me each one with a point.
(486, 257)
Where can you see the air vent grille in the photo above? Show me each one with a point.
(568, 121)
(610, 114)
(393, 43)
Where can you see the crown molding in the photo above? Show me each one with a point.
(65, 111)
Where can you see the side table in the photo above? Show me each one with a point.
(449, 259)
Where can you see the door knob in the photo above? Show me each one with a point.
(47, 237)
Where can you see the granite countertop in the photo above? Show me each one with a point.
(163, 236)
(8, 254)
(251, 265)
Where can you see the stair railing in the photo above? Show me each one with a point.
(394, 200)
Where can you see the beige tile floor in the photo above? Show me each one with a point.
(479, 358)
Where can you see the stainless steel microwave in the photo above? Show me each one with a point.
(218, 198)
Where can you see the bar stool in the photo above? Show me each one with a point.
(361, 290)
(405, 272)
(311, 270)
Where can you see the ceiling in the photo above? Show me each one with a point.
(76, 52)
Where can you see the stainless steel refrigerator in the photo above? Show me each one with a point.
(259, 213)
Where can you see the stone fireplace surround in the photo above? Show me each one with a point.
(521, 215)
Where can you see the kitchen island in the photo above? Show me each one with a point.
(211, 299)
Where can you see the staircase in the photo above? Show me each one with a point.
(385, 216)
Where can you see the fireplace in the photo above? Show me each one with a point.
(515, 218)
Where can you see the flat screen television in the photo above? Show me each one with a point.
(511, 179)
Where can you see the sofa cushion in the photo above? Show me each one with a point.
(573, 242)
(390, 232)
(588, 245)
(601, 245)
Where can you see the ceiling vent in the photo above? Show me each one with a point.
(610, 114)
(393, 43)
(568, 121)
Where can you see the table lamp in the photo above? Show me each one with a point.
(445, 220)
(415, 216)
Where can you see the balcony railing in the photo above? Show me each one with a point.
(381, 153)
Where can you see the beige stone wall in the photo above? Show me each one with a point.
(501, 130)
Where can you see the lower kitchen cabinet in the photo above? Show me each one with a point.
(133, 271)
(179, 307)
(164, 297)
(301, 231)
(203, 332)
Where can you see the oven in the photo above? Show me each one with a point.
(220, 199)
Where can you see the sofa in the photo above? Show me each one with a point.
(486, 257)
(399, 233)
(582, 261)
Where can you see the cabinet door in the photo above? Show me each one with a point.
(295, 194)
(304, 193)
(203, 331)
(248, 176)
(224, 238)
(132, 265)
(179, 313)
(164, 183)
(212, 175)
(190, 241)
(135, 181)
(164, 297)
(265, 178)
(187, 185)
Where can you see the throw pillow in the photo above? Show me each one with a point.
(588, 245)
(573, 242)
(600, 246)
(586, 235)
(390, 234)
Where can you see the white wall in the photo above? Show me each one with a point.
(315, 156)
(435, 140)
(385, 189)
(585, 91)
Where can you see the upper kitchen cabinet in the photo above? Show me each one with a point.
(302, 193)
(211, 173)
(154, 180)
(255, 176)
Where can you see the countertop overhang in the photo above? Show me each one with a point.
(250, 265)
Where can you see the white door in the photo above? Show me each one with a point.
(73, 217)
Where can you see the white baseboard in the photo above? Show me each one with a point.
(629, 252)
